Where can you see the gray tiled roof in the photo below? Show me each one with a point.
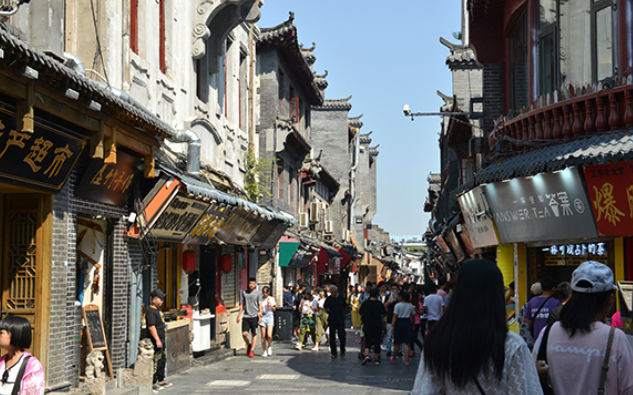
(49, 67)
(334, 104)
(599, 148)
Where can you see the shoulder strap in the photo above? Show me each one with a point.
(18, 379)
(539, 309)
(481, 390)
(605, 364)
(542, 351)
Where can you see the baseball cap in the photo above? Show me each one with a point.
(157, 293)
(599, 275)
(536, 289)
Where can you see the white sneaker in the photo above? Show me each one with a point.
(315, 348)
(299, 346)
(265, 354)
(270, 351)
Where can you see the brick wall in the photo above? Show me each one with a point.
(494, 94)
(65, 316)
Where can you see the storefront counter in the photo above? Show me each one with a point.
(178, 346)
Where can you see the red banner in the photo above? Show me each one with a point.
(610, 190)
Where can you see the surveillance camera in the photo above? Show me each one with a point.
(406, 109)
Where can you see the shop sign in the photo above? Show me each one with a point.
(575, 254)
(42, 159)
(610, 190)
(208, 225)
(459, 253)
(240, 226)
(110, 183)
(467, 241)
(548, 206)
(177, 220)
(477, 218)
(442, 243)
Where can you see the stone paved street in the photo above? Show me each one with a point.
(293, 371)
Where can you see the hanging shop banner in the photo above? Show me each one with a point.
(442, 243)
(548, 206)
(42, 159)
(477, 218)
(467, 241)
(240, 226)
(610, 190)
(208, 225)
(110, 183)
(177, 220)
(459, 252)
(265, 230)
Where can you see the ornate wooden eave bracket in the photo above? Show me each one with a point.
(214, 20)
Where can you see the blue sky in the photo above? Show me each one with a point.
(385, 54)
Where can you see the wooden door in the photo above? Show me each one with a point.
(22, 257)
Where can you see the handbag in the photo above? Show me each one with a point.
(531, 326)
(542, 356)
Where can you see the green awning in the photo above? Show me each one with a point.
(287, 250)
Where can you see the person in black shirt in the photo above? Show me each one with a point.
(371, 313)
(156, 327)
(335, 306)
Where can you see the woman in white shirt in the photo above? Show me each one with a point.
(470, 350)
(308, 308)
(269, 305)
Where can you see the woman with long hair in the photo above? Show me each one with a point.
(354, 303)
(269, 306)
(576, 345)
(470, 350)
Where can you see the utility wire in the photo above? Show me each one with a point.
(99, 49)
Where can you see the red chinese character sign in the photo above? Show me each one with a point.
(42, 159)
(110, 183)
(610, 190)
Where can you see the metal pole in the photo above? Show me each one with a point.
(516, 287)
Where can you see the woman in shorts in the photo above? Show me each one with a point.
(269, 305)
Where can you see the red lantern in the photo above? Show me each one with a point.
(226, 263)
(189, 261)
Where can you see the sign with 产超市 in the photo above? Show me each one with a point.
(610, 190)
(42, 159)
(548, 206)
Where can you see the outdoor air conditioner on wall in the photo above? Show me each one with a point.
(303, 220)
(315, 211)
(329, 227)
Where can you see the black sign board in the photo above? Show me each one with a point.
(94, 329)
(548, 206)
(110, 183)
(42, 159)
(179, 218)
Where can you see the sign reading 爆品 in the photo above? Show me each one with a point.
(477, 219)
(548, 206)
(610, 190)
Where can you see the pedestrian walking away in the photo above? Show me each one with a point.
(579, 354)
(308, 309)
(389, 305)
(335, 306)
(539, 308)
(251, 307)
(401, 326)
(321, 319)
(372, 313)
(470, 350)
(269, 305)
(432, 306)
(156, 326)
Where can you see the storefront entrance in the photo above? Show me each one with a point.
(25, 250)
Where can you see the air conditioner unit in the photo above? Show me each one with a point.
(315, 211)
(303, 220)
(329, 227)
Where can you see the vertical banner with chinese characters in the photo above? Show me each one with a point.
(110, 183)
(548, 206)
(610, 190)
(42, 159)
(478, 219)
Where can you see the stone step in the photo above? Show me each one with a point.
(213, 357)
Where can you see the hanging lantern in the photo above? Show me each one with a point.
(189, 261)
(226, 263)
